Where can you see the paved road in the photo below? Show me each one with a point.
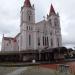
(32, 70)
(18, 71)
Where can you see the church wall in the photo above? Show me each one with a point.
(23, 40)
(46, 33)
(31, 34)
(18, 42)
(8, 45)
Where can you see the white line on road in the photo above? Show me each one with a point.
(18, 71)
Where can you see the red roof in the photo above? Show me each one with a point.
(8, 38)
(52, 11)
(27, 3)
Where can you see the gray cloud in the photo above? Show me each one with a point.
(9, 17)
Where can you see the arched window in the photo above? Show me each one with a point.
(29, 40)
(58, 42)
(47, 42)
(38, 41)
(43, 41)
(29, 18)
(51, 42)
(50, 22)
(56, 22)
(27, 27)
(51, 33)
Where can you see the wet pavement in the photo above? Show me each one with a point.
(46, 69)
(32, 70)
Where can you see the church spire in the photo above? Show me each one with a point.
(52, 11)
(27, 3)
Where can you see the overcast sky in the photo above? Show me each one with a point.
(10, 17)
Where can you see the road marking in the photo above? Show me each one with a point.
(18, 71)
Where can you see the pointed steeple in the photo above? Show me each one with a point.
(52, 11)
(27, 3)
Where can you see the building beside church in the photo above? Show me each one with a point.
(35, 36)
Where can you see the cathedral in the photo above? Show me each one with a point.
(32, 35)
